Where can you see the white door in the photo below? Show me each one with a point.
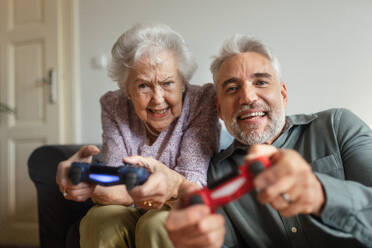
(30, 56)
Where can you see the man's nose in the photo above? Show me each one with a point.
(158, 95)
(248, 95)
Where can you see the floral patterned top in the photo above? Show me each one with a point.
(186, 146)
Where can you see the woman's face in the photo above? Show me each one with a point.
(155, 88)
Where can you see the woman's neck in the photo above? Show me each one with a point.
(151, 134)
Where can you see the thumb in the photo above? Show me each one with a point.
(185, 190)
(85, 153)
(256, 151)
(182, 218)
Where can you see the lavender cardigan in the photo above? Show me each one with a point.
(186, 146)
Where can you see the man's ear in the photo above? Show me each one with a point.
(218, 106)
(283, 92)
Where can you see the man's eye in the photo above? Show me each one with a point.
(142, 86)
(232, 89)
(260, 83)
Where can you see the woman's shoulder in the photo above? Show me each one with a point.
(199, 102)
(200, 90)
(201, 94)
(113, 98)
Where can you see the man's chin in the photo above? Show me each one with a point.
(251, 129)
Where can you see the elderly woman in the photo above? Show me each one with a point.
(156, 120)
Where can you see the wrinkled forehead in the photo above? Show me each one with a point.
(154, 57)
(157, 66)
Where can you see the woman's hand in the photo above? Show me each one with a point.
(162, 185)
(117, 195)
(82, 191)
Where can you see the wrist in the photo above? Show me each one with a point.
(321, 199)
(179, 183)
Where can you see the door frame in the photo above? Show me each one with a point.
(70, 80)
(68, 95)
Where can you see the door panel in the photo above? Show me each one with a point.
(29, 49)
(28, 85)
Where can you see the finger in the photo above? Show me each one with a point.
(82, 185)
(154, 185)
(185, 190)
(207, 232)
(183, 218)
(137, 160)
(294, 208)
(78, 194)
(84, 154)
(147, 162)
(279, 169)
(211, 232)
(295, 192)
(151, 203)
(275, 190)
(258, 151)
(279, 203)
(62, 175)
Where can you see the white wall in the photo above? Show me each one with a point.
(324, 46)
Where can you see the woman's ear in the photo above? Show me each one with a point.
(127, 91)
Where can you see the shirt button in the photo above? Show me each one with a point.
(294, 229)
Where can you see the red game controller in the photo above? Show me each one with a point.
(230, 187)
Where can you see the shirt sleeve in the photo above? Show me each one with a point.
(112, 141)
(200, 139)
(348, 208)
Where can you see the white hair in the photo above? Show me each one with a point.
(240, 43)
(149, 39)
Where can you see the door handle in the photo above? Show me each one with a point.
(51, 81)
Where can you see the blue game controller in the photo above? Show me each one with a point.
(107, 175)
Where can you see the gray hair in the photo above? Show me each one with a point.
(148, 40)
(240, 43)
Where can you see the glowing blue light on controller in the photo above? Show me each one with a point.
(104, 178)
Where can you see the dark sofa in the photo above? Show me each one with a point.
(58, 218)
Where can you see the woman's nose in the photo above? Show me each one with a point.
(158, 95)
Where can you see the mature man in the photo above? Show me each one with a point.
(318, 191)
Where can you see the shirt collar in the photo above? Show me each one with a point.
(300, 119)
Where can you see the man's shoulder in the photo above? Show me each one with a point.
(332, 115)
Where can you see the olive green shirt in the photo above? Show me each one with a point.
(338, 146)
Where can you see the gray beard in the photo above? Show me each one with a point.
(253, 136)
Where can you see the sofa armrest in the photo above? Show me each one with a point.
(56, 214)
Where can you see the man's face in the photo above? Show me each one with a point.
(250, 99)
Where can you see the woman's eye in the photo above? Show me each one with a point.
(167, 83)
(142, 86)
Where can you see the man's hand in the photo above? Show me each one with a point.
(194, 226)
(82, 191)
(289, 185)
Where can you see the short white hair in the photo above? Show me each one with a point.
(240, 43)
(149, 39)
